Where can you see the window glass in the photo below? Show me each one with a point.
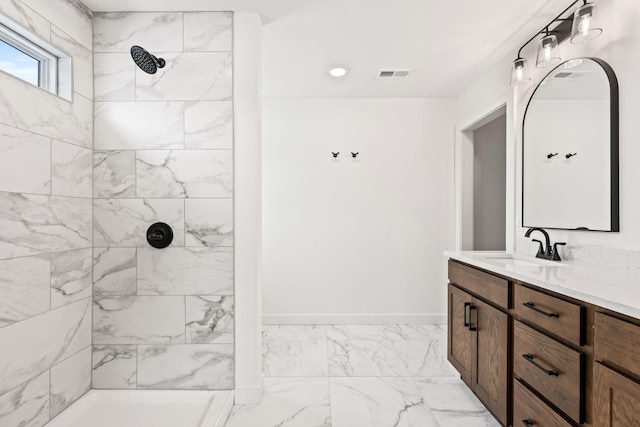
(19, 64)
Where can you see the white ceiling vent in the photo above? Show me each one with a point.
(393, 74)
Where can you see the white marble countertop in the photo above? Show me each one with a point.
(611, 288)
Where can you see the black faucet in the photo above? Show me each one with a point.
(546, 251)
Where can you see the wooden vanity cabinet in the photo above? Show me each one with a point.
(479, 336)
(616, 371)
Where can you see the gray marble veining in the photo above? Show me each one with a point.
(114, 271)
(25, 164)
(208, 31)
(114, 77)
(185, 271)
(117, 32)
(114, 366)
(26, 405)
(191, 366)
(209, 222)
(210, 319)
(124, 222)
(71, 170)
(178, 81)
(42, 341)
(25, 288)
(184, 173)
(208, 125)
(70, 276)
(114, 174)
(138, 320)
(26, 17)
(32, 224)
(70, 379)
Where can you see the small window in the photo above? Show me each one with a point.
(27, 61)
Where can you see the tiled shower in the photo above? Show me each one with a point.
(85, 301)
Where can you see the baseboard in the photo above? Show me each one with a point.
(249, 395)
(226, 411)
(354, 319)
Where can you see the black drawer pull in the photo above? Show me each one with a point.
(471, 327)
(528, 422)
(529, 358)
(533, 307)
(466, 322)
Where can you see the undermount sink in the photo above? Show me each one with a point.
(518, 261)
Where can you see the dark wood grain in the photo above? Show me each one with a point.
(565, 391)
(491, 288)
(569, 324)
(460, 341)
(526, 406)
(617, 344)
(616, 399)
(491, 373)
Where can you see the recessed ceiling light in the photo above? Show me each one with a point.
(338, 71)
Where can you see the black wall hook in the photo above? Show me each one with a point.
(570, 155)
(335, 155)
(550, 155)
(354, 155)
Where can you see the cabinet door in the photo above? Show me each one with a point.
(616, 399)
(460, 344)
(491, 350)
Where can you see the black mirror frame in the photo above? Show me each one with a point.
(615, 148)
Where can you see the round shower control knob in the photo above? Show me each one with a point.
(160, 235)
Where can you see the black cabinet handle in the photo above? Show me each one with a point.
(533, 307)
(471, 327)
(466, 321)
(529, 358)
(527, 422)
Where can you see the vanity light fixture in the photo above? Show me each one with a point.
(338, 71)
(581, 28)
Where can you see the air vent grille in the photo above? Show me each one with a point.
(568, 75)
(394, 74)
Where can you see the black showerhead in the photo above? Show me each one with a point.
(146, 61)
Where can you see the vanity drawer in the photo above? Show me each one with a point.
(492, 288)
(617, 343)
(551, 368)
(557, 316)
(528, 410)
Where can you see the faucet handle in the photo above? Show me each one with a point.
(555, 256)
(540, 247)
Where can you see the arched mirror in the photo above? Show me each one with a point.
(570, 149)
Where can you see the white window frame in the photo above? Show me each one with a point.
(48, 70)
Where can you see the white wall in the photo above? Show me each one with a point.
(356, 241)
(618, 46)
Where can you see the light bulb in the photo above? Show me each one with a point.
(547, 53)
(585, 24)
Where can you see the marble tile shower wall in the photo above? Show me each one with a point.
(46, 164)
(163, 319)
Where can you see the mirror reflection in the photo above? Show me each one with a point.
(570, 146)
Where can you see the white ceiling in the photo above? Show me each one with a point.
(446, 42)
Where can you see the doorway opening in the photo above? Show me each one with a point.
(484, 186)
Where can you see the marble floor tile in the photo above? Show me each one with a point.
(294, 333)
(295, 358)
(114, 366)
(364, 332)
(423, 332)
(26, 405)
(425, 358)
(365, 358)
(287, 402)
(378, 402)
